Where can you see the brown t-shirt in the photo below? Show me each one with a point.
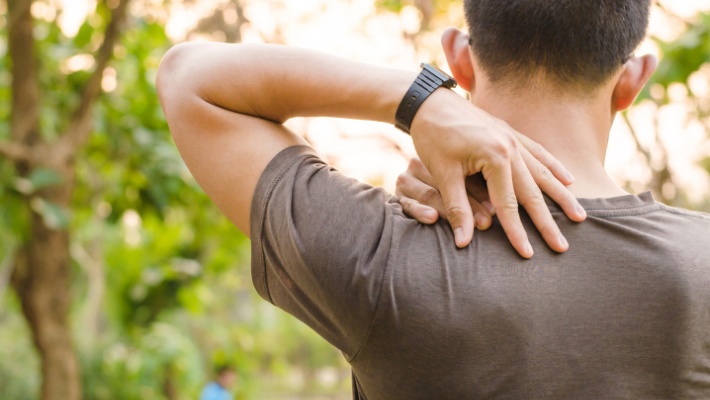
(624, 314)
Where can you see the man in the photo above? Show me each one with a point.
(622, 312)
(219, 389)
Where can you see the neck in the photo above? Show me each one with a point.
(576, 133)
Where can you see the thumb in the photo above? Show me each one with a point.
(452, 187)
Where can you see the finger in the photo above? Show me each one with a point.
(420, 212)
(411, 187)
(530, 197)
(550, 185)
(481, 216)
(418, 170)
(424, 195)
(419, 188)
(476, 187)
(547, 159)
(498, 175)
(458, 209)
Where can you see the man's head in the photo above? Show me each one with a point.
(561, 47)
(226, 376)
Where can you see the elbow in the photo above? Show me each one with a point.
(174, 63)
(168, 68)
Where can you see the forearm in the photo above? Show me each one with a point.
(279, 82)
(225, 105)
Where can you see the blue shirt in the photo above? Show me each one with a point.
(214, 392)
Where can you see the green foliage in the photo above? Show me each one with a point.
(54, 215)
(162, 351)
(685, 55)
(42, 177)
(438, 6)
(391, 5)
(176, 296)
(19, 364)
(682, 57)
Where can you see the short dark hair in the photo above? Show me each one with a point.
(574, 43)
(224, 368)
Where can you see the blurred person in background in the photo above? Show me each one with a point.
(432, 310)
(219, 388)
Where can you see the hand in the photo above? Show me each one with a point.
(421, 200)
(457, 140)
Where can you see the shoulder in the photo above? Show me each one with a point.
(685, 228)
(702, 218)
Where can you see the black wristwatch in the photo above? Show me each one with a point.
(430, 79)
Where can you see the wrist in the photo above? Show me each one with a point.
(427, 82)
(431, 113)
(398, 84)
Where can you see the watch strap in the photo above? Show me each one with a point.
(428, 80)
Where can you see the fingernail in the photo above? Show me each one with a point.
(430, 214)
(458, 235)
(489, 207)
(481, 219)
(580, 210)
(528, 248)
(563, 242)
(569, 176)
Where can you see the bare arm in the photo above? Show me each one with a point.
(225, 105)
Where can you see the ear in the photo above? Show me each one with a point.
(458, 55)
(634, 76)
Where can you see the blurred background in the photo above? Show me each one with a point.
(120, 280)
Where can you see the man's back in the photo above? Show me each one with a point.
(625, 313)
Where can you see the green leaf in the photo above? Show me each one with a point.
(54, 215)
(390, 5)
(39, 178)
(83, 37)
(43, 177)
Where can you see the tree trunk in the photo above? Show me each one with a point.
(41, 276)
(169, 386)
(42, 273)
(41, 279)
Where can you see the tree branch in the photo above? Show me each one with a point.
(647, 154)
(671, 14)
(16, 151)
(80, 124)
(24, 120)
(427, 9)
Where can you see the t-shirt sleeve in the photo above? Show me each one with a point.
(320, 245)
